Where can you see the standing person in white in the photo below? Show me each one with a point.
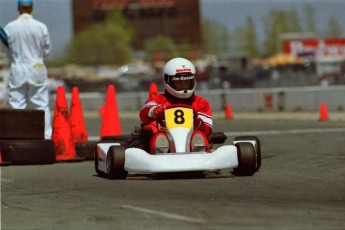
(29, 43)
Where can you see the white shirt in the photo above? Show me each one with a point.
(29, 43)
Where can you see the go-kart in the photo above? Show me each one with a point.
(115, 157)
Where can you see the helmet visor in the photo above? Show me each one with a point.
(182, 82)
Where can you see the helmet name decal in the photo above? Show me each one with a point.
(183, 78)
(183, 70)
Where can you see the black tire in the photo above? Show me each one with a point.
(28, 152)
(18, 124)
(85, 150)
(257, 148)
(217, 138)
(119, 138)
(115, 162)
(246, 159)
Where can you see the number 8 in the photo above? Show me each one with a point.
(179, 119)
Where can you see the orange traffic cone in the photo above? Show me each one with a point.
(228, 111)
(323, 112)
(111, 121)
(153, 90)
(76, 118)
(62, 136)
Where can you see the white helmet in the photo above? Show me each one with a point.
(179, 77)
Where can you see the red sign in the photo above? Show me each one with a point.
(316, 47)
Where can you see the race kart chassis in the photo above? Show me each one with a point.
(113, 159)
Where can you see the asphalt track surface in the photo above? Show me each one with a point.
(301, 185)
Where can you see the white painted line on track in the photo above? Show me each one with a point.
(164, 214)
(280, 132)
(270, 132)
(5, 180)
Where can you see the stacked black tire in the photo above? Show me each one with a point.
(22, 138)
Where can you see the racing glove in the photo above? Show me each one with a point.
(157, 112)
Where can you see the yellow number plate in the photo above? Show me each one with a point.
(179, 117)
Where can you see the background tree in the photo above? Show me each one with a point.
(246, 39)
(215, 37)
(293, 21)
(106, 43)
(334, 29)
(309, 19)
(160, 48)
(184, 49)
(276, 24)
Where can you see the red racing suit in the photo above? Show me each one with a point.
(199, 104)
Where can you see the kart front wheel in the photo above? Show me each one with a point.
(115, 162)
(246, 159)
(257, 148)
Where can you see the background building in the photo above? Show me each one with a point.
(178, 19)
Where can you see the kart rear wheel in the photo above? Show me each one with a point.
(115, 162)
(246, 159)
(257, 148)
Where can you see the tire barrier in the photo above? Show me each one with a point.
(22, 138)
(2, 162)
(86, 150)
(27, 152)
(21, 124)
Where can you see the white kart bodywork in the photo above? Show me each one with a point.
(137, 160)
(102, 150)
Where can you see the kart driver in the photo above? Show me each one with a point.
(179, 81)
